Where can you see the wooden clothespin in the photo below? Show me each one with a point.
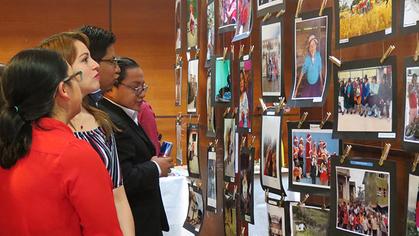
(243, 141)
(197, 119)
(241, 51)
(303, 118)
(266, 17)
(179, 116)
(243, 231)
(302, 202)
(328, 114)
(384, 155)
(215, 142)
(253, 140)
(190, 118)
(263, 105)
(299, 6)
(335, 61)
(225, 53)
(280, 13)
(232, 49)
(345, 153)
(281, 105)
(251, 50)
(322, 7)
(197, 53)
(227, 111)
(387, 53)
(416, 56)
(415, 162)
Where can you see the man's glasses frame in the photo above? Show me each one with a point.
(137, 90)
(113, 61)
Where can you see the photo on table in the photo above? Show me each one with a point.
(192, 85)
(230, 146)
(276, 220)
(192, 32)
(310, 152)
(244, 20)
(178, 23)
(365, 94)
(246, 163)
(223, 84)
(410, 16)
(362, 21)
(311, 67)
(178, 83)
(246, 93)
(411, 118)
(265, 6)
(193, 150)
(412, 212)
(308, 220)
(212, 179)
(227, 14)
(210, 29)
(196, 213)
(210, 103)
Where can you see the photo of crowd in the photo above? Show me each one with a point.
(411, 119)
(412, 216)
(365, 99)
(270, 152)
(246, 93)
(195, 214)
(363, 201)
(276, 218)
(308, 220)
(271, 59)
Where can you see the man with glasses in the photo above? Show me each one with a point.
(141, 168)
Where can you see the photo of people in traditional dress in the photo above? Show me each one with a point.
(308, 220)
(228, 13)
(212, 181)
(195, 214)
(363, 201)
(178, 18)
(276, 219)
(229, 147)
(246, 93)
(365, 99)
(271, 59)
(210, 105)
(262, 4)
(193, 150)
(270, 151)
(178, 85)
(411, 13)
(362, 17)
(210, 30)
(192, 85)
(312, 151)
(192, 23)
(412, 217)
(223, 83)
(244, 20)
(246, 186)
(230, 219)
(310, 59)
(411, 119)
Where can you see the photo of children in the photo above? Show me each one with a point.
(192, 23)
(246, 93)
(411, 119)
(271, 59)
(270, 152)
(223, 85)
(276, 219)
(308, 220)
(228, 13)
(195, 214)
(365, 99)
(192, 85)
(412, 218)
(411, 13)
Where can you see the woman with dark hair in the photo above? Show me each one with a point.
(92, 124)
(45, 170)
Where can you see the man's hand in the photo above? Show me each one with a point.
(165, 163)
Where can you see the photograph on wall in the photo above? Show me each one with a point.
(310, 151)
(365, 93)
(412, 214)
(246, 93)
(244, 20)
(308, 220)
(246, 163)
(311, 66)
(229, 149)
(193, 150)
(361, 21)
(192, 85)
(411, 118)
(223, 84)
(192, 23)
(271, 59)
(210, 29)
(195, 215)
(276, 220)
(178, 83)
(228, 15)
(271, 154)
(230, 209)
(178, 127)
(210, 104)
(178, 23)
(212, 179)
(410, 15)
(265, 6)
(363, 197)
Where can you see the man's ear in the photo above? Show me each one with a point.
(62, 91)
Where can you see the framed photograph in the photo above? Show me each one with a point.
(228, 15)
(308, 220)
(412, 212)
(210, 103)
(272, 63)
(192, 85)
(178, 24)
(265, 6)
(230, 146)
(192, 23)
(354, 21)
(277, 218)
(230, 209)
(246, 94)
(365, 98)
(178, 83)
(210, 29)
(365, 192)
(247, 159)
(196, 213)
(310, 151)
(193, 151)
(212, 179)
(223, 84)
(410, 16)
(270, 164)
(311, 67)
(179, 156)
(411, 118)
(244, 20)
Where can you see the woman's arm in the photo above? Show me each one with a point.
(123, 210)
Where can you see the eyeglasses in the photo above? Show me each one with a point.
(137, 90)
(68, 78)
(113, 61)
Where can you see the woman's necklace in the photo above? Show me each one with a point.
(74, 127)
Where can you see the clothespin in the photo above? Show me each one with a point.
(179, 116)
(178, 59)
(225, 53)
(243, 231)
(253, 140)
(263, 105)
(190, 118)
(216, 142)
(232, 49)
(322, 7)
(227, 111)
(197, 120)
(266, 194)
(299, 6)
(384, 155)
(243, 141)
(251, 50)
(302, 202)
(415, 162)
(416, 56)
(241, 51)
(281, 105)
(266, 17)
(280, 13)
(345, 153)
(303, 118)
(335, 61)
(325, 120)
(387, 53)
(197, 53)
